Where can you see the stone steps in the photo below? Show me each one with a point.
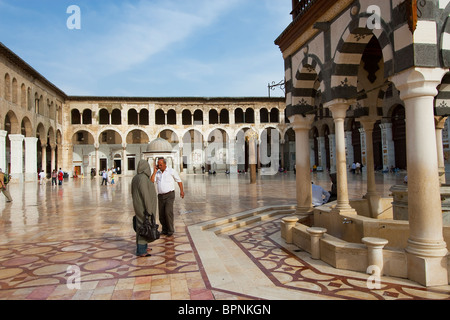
(245, 218)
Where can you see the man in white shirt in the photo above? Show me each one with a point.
(319, 195)
(42, 177)
(165, 179)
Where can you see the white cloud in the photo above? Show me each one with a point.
(143, 30)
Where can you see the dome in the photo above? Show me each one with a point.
(159, 145)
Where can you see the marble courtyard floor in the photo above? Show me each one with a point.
(51, 234)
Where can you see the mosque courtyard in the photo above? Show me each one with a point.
(76, 242)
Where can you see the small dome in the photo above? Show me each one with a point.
(159, 145)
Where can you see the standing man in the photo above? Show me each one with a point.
(144, 200)
(164, 178)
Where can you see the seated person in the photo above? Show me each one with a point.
(319, 195)
(333, 191)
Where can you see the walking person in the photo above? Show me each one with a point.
(4, 180)
(42, 177)
(144, 200)
(60, 177)
(54, 177)
(165, 178)
(105, 177)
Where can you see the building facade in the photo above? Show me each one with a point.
(42, 128)
(368, 82)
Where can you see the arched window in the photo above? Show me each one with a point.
(7, 90)
(116, 117)
(263, 115)
(132, 117)
(87, 116)
(144, 117)
(198, 117)
(186, 118)
(249, 116)
(160, 117)
(104, 117)
(172, 117)
(224, 116)
(274, 115)
(238, 116)
(213, 117)
(76, 118)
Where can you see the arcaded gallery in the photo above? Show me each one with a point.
(364, 83)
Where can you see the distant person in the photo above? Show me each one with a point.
(42, 177)
(105, 177)
(54, 177)
(319, 195)
(60, 177)
(4, 180)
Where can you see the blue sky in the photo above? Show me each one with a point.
(151, 48)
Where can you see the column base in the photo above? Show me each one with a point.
(304, 210)
(427, 271)
(344, 210)
(31, 177)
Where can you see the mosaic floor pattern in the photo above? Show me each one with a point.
(50, 236)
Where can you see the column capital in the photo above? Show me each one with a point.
(339, 107)
(368, 122)
(301, 122)
(418, 82)
(3, 133)
(16, 137)
(439, 122)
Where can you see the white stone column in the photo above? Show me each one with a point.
(16, 156)
(440, 124)
(53, 158)
(338, 109)
(374, 199)
(426, 250)
(44, 157)
(31, 159)
(388, 145)
(322, 153)
(349, 147)
(368, 124)
(302, 125)
(332, 139)
(3, 150)
(97, 159)
(124, 167)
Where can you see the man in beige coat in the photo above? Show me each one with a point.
(144, 198)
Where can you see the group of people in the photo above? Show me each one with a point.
(145, 197)
(356, 168)
(108, 176)
(57, 177)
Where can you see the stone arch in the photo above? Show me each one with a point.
(11, 123)
(164, 133)
(40, 133)
(137, 136)
(106, 136)
(82, 137)
(51, 136)
(349, 51)
(26, 127)
(308, 80)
